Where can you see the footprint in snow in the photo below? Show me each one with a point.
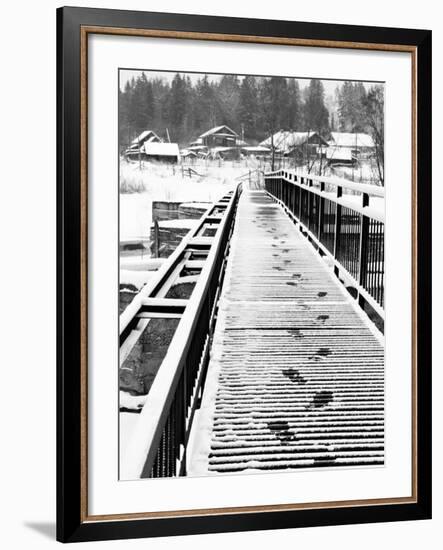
(280, 428)
(323, 318)
(321, 352)
(294, 376)
(321, 399)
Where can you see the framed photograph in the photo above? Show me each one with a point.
(244, 274)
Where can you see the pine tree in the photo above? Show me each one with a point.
(206, 113)
(295, 121)
(228, 97)
(248, 107)
(316, 115)
(177, 107)
(351, 97)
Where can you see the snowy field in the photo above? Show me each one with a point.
(140, 186)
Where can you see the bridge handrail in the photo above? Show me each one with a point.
(160, 276)
(372, 190)
(160, 436)
(349, 233)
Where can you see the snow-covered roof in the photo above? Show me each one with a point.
(284, 140)
(187, 152)
(218, 130)
(338, 153)
(162, 149)
(133, 147)
(146, 135)
(349, 139)
(256, 149)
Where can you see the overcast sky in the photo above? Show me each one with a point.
(127, 74)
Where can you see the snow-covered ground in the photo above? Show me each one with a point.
(139, 187)
(156, 182)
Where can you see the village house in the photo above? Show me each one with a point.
(359, 144)
(148, 136)
(220, 136)
(135, 150)
(161, 152)
(289, 144)
(188, 156)
(340, 156)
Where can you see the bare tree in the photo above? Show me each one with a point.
(374, 112)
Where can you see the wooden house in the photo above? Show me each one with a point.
(359, 144)
(135, 150)
(161, 152)
(220, 136)
(288, 143)
(340, 156)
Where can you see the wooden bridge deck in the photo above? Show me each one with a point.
(296, 376)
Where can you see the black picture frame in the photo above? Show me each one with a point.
(72, 525)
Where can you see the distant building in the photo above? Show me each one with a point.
(359, 144)
(188, 156)
(220, 136)
(135, 150)
(340, 156)
(188, 153)
(148, 136)
(287, 143)
(161, 152)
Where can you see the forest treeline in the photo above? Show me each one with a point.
(181, 109)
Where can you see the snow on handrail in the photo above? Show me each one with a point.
(373, 190)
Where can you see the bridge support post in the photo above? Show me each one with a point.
(363, 253)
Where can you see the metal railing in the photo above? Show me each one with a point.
(158, 443)
(348, 228)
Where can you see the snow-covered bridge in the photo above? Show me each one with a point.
(274, 364)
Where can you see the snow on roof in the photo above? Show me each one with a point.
(146, 134)
(256, 149)
(198, 141)
(285, 139)
(339, 153)
(217, 130)
(349, 139)
(162, 149)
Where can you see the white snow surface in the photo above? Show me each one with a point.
(180, 223)
(156, 182)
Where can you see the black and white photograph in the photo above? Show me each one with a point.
(218, 259)
(251, 274)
